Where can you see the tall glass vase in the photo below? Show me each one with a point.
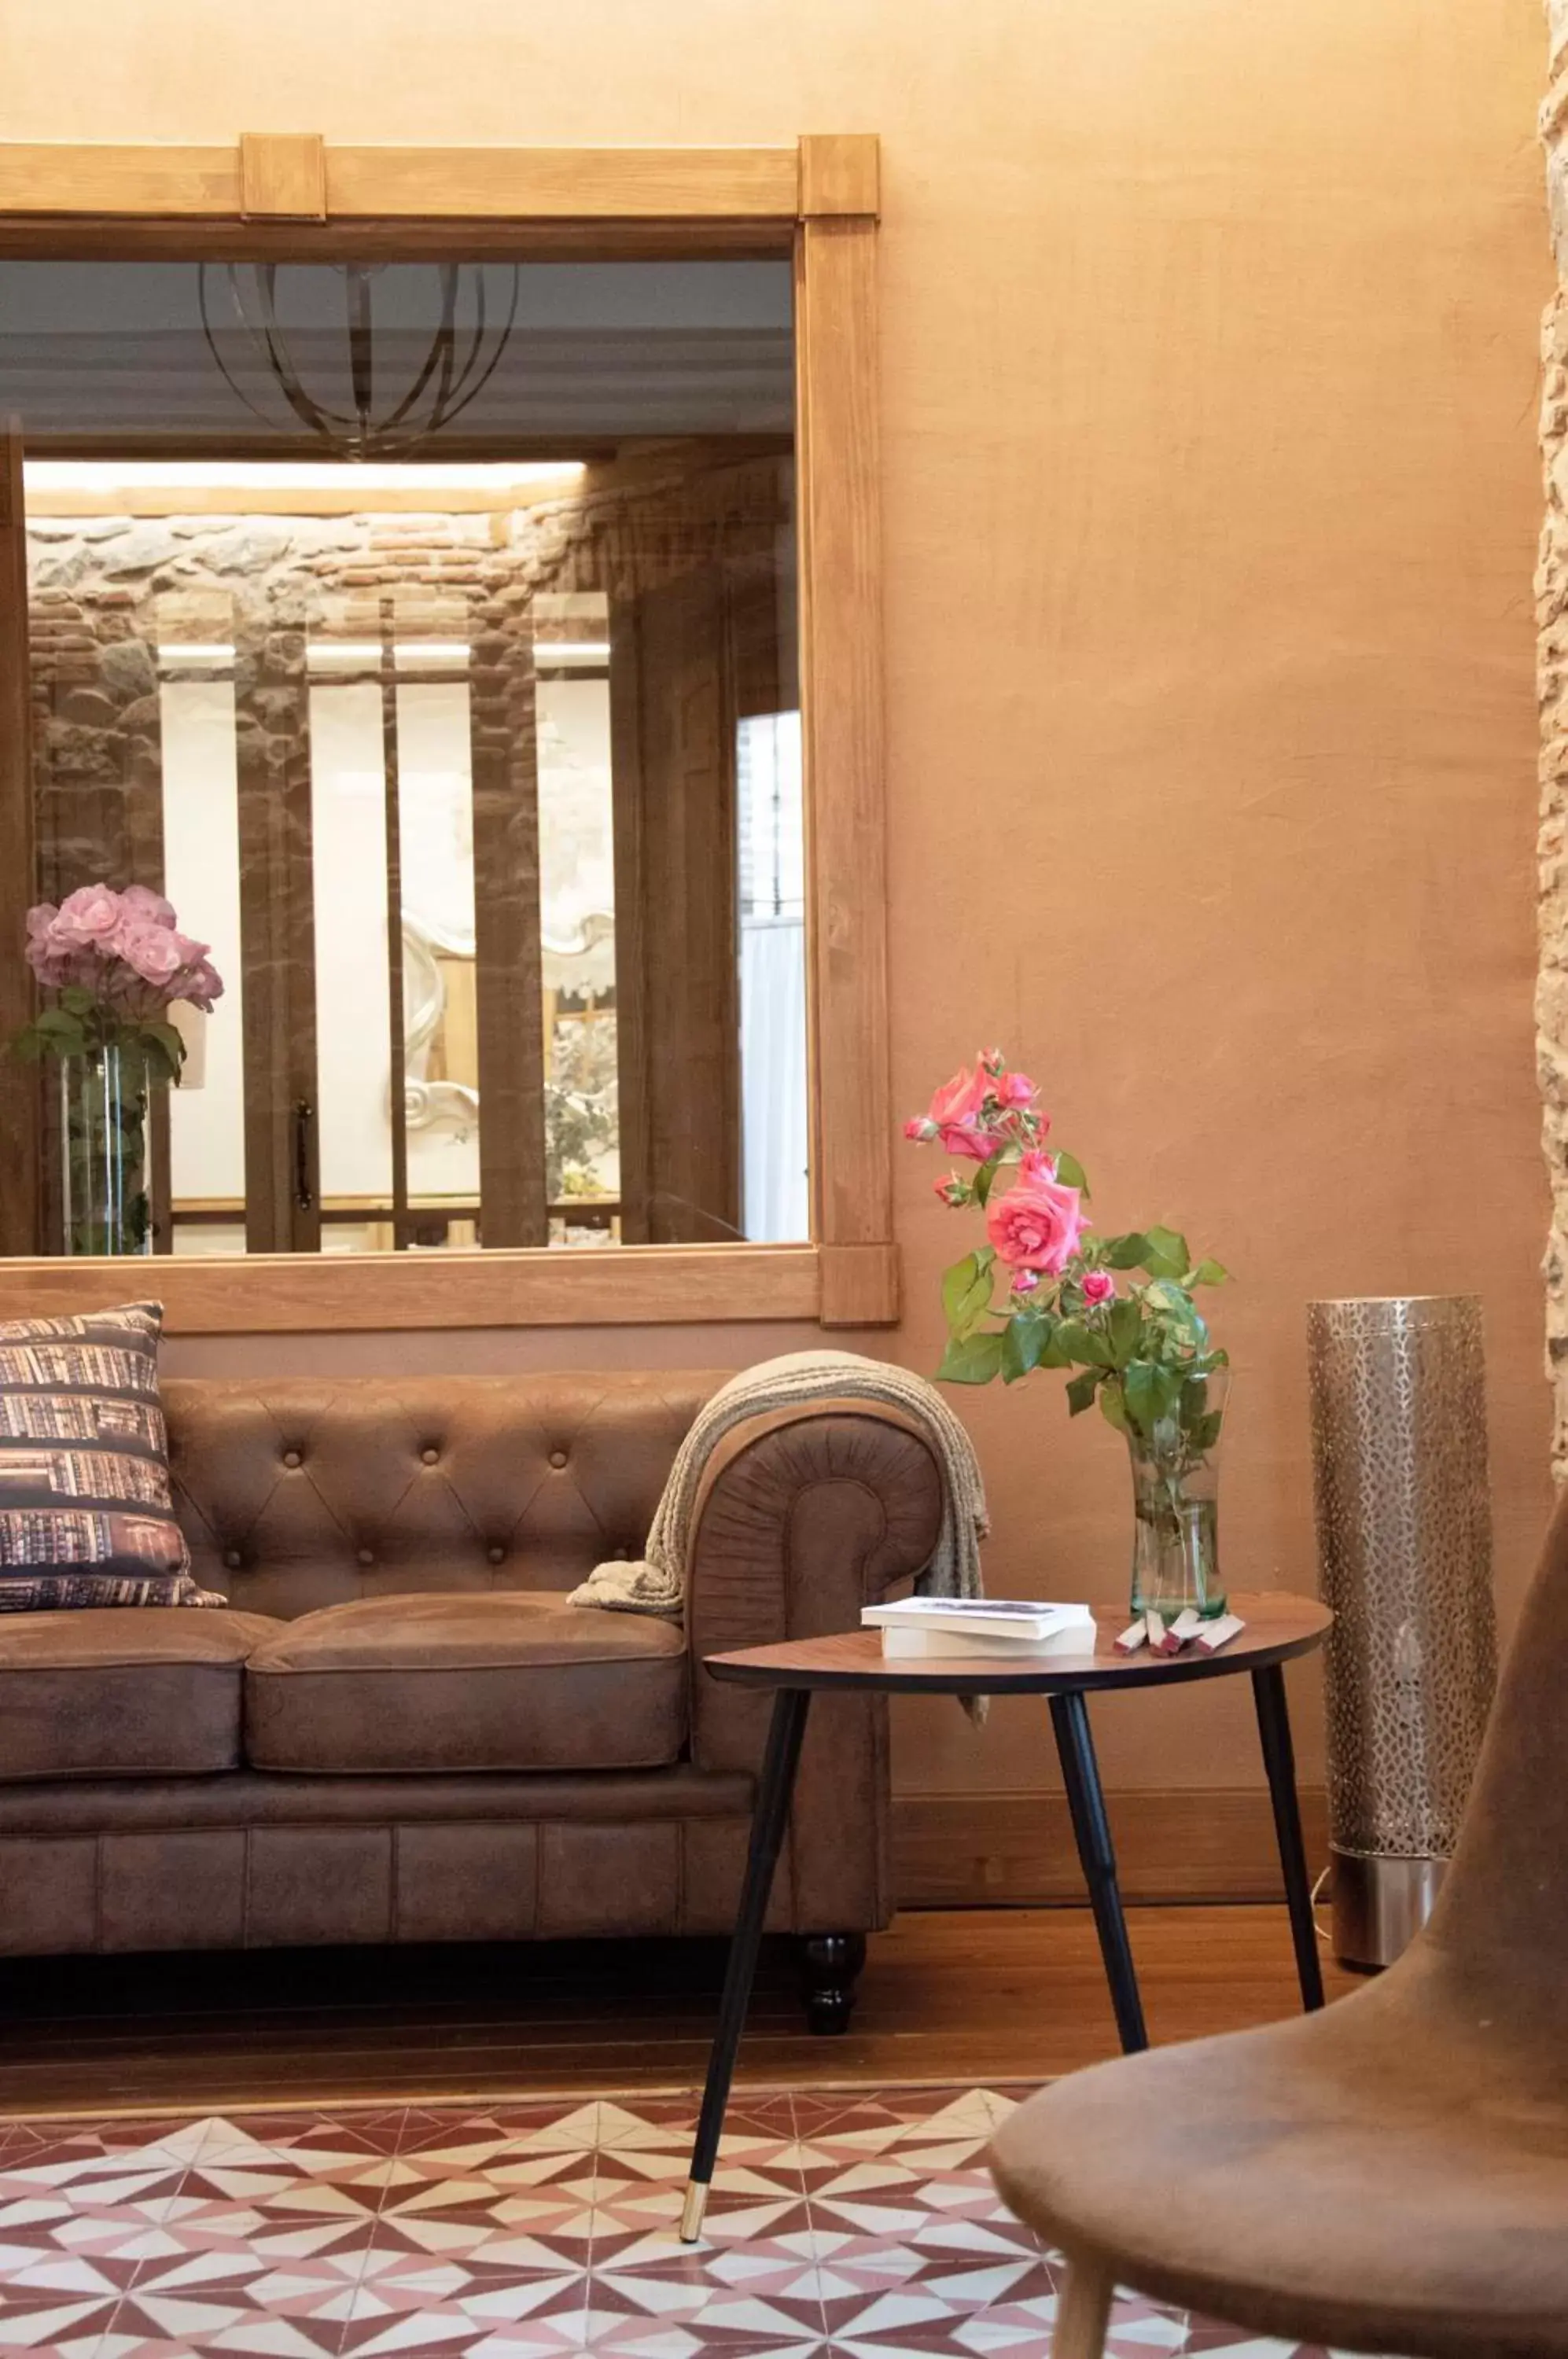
(106, 1152)
(1175, 1500)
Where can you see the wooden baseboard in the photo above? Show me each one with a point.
(1014, 1851)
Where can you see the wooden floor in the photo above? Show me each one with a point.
(972, 1994)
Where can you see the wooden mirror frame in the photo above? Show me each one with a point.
(294, 195)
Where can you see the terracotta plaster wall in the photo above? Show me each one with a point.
(1209, 357)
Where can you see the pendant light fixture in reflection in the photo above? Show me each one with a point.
(239, 304)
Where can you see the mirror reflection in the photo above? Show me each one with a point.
(416, 756)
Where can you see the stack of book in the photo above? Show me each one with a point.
(1023, 1626)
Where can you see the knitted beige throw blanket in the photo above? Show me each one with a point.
(657, 1584)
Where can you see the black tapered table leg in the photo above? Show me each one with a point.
(769, 1817)
(1279, 1760)
(1091, 1828)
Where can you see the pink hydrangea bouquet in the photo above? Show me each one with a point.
(116, 961)
(1117, 1311)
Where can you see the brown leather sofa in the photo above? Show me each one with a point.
(397, 1731)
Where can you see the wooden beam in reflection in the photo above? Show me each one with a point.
(506, 929)
(276, 931)
(19, 1085)
(673, 752)
(631, 1031)
(397, 1043)
(143, 860)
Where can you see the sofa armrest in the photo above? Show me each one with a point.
(802, 1516)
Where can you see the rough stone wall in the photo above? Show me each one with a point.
(1551, 626)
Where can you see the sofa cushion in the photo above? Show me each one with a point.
(445, 1680)
(97, 1692)
(85, 1514)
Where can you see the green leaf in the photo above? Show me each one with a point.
(1208, 1273)
(971, 1360)
(1124, 1327)
(164, 1049)
(1080, 1392)
(985, 1180)
(1113, 1407)
(1055, 1353)
(58, 1034)
(1166, 1256)
(966, 1291)
(1024, 1338)
(1082, 1341)
(77, 1000)
(1124, 1253)
(1069, 1171)
(1200, 1423)
(1151, 1393)
(1176, 1312)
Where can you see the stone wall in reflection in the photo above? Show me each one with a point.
(116, 601)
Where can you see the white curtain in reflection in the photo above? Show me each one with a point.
(773, 1079)
(775, 1187)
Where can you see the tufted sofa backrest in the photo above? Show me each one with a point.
(295, 1493)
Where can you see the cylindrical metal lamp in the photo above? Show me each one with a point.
(1398, 1405)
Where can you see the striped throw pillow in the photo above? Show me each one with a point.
(86, 1517)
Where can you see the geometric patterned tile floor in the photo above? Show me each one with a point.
(860, 2224)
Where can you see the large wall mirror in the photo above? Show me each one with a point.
(424, 632)
(440, 714)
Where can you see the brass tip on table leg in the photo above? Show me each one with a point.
(691, 2210)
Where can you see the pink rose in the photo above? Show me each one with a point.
(1024, 1281)
(145, 903)
(54, 967)
(151, 950)
(1037, 1225)
(203, 985)
(920, 1128)
(1016, 1090)
(956, 1115)
(1099, 1286)
(55, 956)
(952, 1189)
(40, 952)
(86, 920)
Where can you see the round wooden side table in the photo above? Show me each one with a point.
(1279, 1625)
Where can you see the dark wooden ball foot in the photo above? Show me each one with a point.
(830, 1971)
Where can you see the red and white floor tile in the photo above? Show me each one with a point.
(852, 2225)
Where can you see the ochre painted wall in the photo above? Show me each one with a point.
(1209, 361)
